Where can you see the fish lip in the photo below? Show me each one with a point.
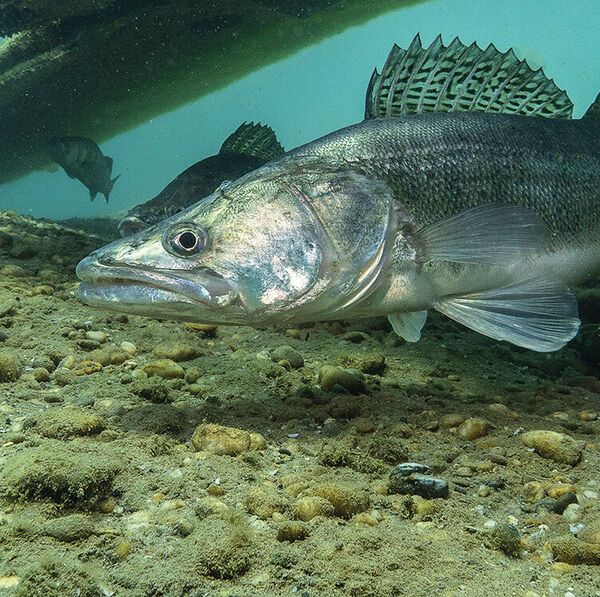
(165, 286)
(131, 225)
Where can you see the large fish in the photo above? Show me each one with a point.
(81, 158)
(247, 148)
(467, 189)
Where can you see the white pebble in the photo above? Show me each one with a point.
(129, 347)
(573, 512)
(97, 336)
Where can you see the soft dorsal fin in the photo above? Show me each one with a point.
(459, 78)
(255, 140)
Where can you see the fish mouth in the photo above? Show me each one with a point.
(131, 225)
(144, 292)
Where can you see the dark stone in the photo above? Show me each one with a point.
(403, 482)
(563, 501)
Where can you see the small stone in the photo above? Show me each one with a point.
(563, 568)
(483, 490)
(373, 364)
(8, 307)
(573, 513)
(473, 428)
(69, 528)
(410, 468)
(366, 518)
(12, 270)
(588, 415)
(292, 531)
(349, 380)
(356, 337)
(175, 351)
(67, 422)
(165, 368)
(335, 328)
(575, 551)
(331, 427)
(423, 508)
(505, 537)
(128, 347)
(307, 507)
(63, 376)
(40, 374)
(264, 502)
(451, 420)
(553, 445)
(533, 492)
(221, 440)
(96, 336)
(555, 491)
(289, 354)
(346, 501)
(193, 374)
(10, 367)
(293, 333)
(563, 501)
(416, 484)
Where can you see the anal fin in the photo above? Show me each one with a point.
(534, 313)
(408, 325)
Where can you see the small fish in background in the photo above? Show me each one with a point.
(247, 148)
(81, 158)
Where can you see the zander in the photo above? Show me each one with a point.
(467, 189)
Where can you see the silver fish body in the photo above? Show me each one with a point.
(485, 217)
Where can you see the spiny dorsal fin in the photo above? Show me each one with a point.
(255, 140)
(459, 78)
(594, 110)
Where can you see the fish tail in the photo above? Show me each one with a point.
(110, 185)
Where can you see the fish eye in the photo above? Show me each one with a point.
(184, 240)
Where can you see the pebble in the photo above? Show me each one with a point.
(308, 507)
(403, 481)
(573, 513)
(553, 445)
(563, 501)
(473, 428)
(289, 354)
(555, 491)
(63, 376)
(10, 367)
(533, 492)
(356, 337)
(225, 441)
(69, 528)
(571, 550)
(7, 307)
(12, 270)
(421, 507)
(346, 501)
(504, 537)
(175, 351)
(451, 420)
(96, 336)
(128, 347)
(165, 368)
(265, 501)
(349, 380)
(588, 415)
(66, 422)
(292, 531)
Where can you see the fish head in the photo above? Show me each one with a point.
(258, 250)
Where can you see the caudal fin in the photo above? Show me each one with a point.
(110, 185)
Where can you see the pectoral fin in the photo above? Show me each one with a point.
(408, 325)
(492, 234)
(536, 313)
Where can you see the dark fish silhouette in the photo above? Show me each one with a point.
(467, 189)
(247, 148)
(81, 158)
